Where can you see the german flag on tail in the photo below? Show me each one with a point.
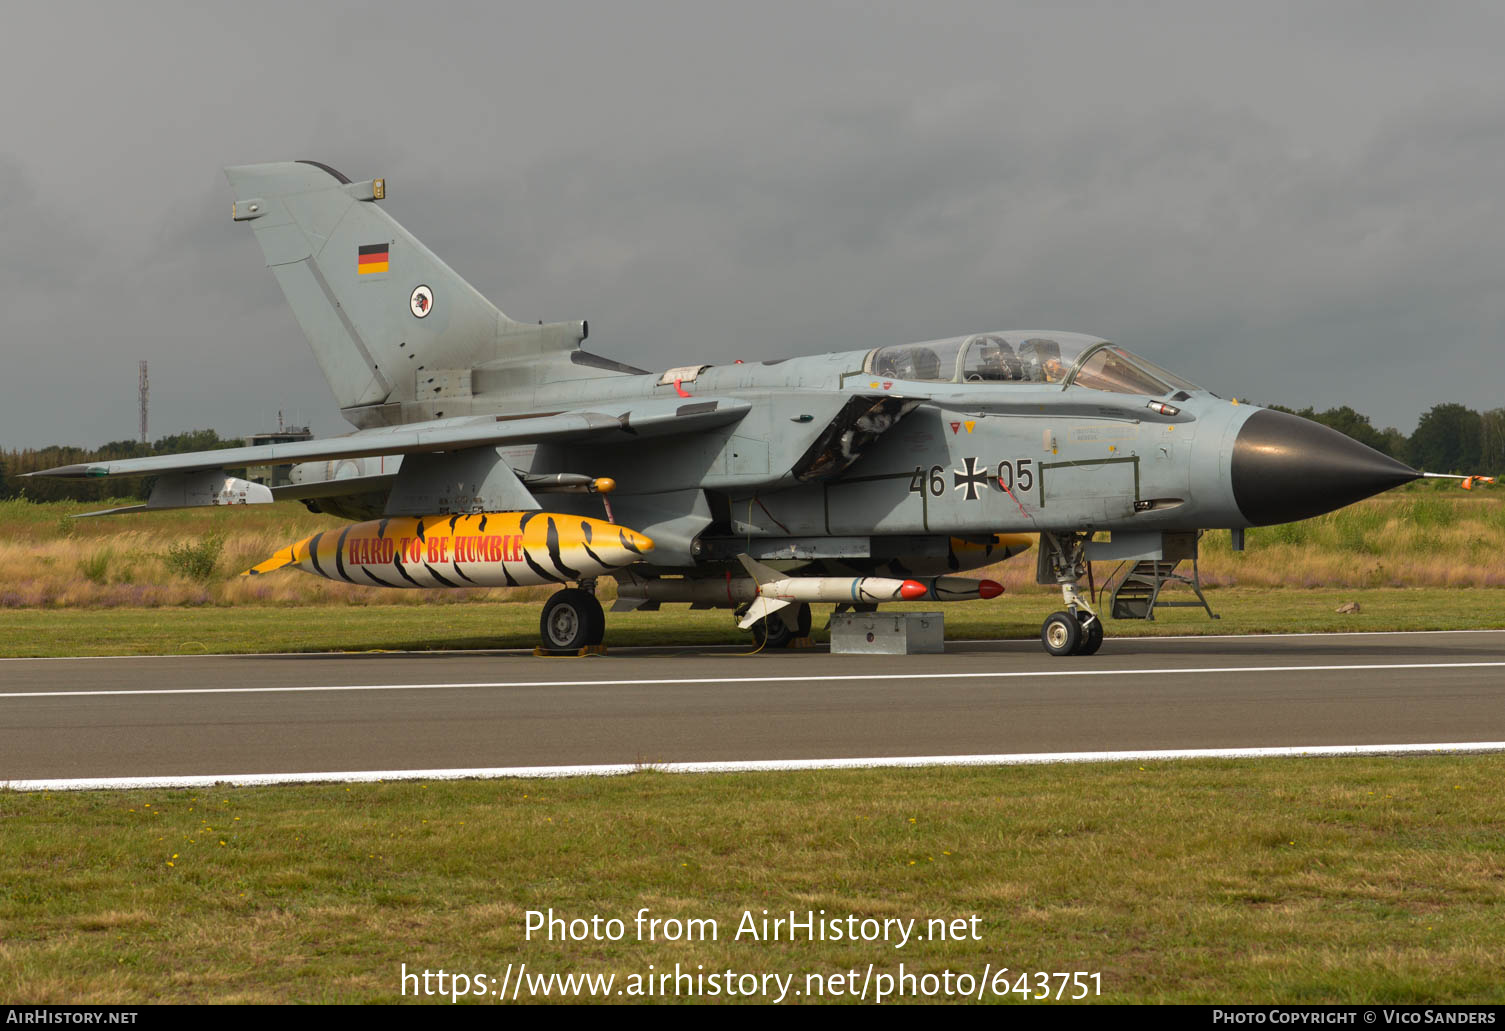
(371, 258)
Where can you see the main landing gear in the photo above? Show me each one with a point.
(572, 620)
(774, 632)
(1078, 630)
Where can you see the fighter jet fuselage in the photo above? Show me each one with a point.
(895, 462)
(827, 448)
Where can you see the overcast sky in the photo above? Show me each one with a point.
(1298, 203)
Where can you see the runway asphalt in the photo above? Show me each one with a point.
(331, 713)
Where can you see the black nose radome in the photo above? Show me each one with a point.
(1287, 468)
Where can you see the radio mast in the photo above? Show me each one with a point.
(144, 389)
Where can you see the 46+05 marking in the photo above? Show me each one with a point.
(1017, 474)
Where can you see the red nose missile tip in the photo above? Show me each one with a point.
(912, 590)
(989, 589)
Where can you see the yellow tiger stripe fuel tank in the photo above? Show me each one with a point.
(488, 549)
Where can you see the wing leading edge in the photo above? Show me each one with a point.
(641, 420)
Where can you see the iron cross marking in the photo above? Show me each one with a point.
(972, 479)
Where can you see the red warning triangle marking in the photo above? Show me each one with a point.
(956, 427)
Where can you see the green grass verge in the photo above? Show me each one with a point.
(173, 631)
(1303, 880)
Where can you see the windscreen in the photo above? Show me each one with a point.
(1064, 359)
(985, 358)
(1114, 369)
(1037, 358)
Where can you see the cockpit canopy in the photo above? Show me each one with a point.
(1063, 359)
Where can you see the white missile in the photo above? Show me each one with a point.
(731, 592)
(775, 590)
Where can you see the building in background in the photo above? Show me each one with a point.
(275, 475)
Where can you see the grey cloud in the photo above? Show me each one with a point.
(1294, 202)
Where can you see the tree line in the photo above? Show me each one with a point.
(1449, 438)
(14, 463)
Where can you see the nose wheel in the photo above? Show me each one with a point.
(1061, 633)
(1092, 632)
(1072, 633)
(1076, 630)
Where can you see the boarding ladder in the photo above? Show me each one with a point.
(1137, 594)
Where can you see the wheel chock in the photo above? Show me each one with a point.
(562, 653)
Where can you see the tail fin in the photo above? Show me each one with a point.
(375, 304)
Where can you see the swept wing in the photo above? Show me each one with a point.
(645, 419)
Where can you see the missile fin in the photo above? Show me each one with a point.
(760, 573)
(761, 608)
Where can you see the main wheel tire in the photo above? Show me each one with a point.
(772, 632)
(1092, 633)
(571, 620)
(1060, 633)
(802, 621)
(598, 621)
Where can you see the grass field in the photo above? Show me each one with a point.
(1423, 537)
(488, 624)
(1307, 880)
(166, 582)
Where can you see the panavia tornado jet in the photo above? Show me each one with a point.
(489, 452)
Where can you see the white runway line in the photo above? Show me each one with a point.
(786, 678)
(742, 766)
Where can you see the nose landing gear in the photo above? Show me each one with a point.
(1092, 632)
(1078, 630)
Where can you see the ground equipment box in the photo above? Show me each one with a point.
(888, 633)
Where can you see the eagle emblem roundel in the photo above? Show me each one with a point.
(422, 301)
